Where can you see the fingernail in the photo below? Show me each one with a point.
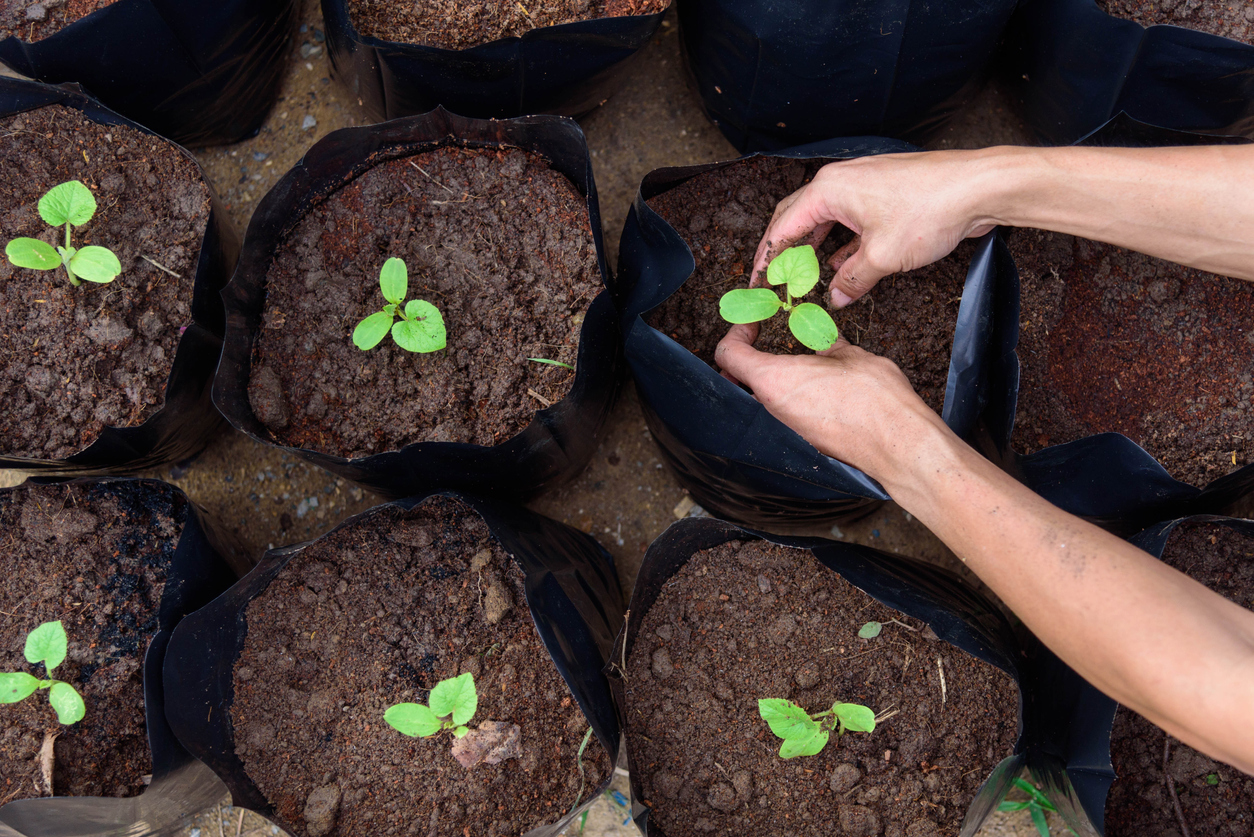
(840, 299)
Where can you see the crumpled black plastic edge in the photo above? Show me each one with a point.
(572, 592)
(187, 420)
(736, 459)
(568, 69)
(199, 73)
(559, 441)
(181, 786)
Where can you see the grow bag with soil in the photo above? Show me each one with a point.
(198, 73)
(300, 660)
(119, 562)
(1075, 66)
(690, 236)
(766, 620)
(109, 378)
(499, 225)
(773, 75)
(566, 69)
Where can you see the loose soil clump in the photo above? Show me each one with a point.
(377, 614)
(494, 238)
(745, 621)
(457, 24)
(1218, 17)
(78, 359)
(1215, 799)
(34, 20)
(722, 215)
(95, 557)
(1112, 340)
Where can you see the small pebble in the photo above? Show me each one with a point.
(319, 36)
(309, 122)
(875, 533)
(260, 155)
(308, 50)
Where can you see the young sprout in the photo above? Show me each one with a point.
(551, 362)
(805, 734)
(1036, 806)
(421, 328)
(452, 704)
(797, 269)
(46, 644)
(72, 204)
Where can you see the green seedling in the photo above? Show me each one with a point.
(552, 362)
(452, 704)
(797, 269)
(1037, 804)
(72, 204)
(46, 644)
(805, 734)
(421, 327)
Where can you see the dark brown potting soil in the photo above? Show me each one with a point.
(1112, 340)
(722, 215)
(746, 621)
(77, 359)
(1215, 799)
(95, 558)
(377, 614)
(461, 24)
(1225, 18)
(497, 240)
(34, 20)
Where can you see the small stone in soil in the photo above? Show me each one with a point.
(492, 743)
(308, 122)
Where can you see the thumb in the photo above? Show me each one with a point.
(736, 356)
(855, 275)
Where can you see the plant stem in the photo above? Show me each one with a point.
(68, 272)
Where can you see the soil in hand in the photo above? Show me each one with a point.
(377, 614)
(494, 238)
(1218, 17)
(458, 24)
(746, 621)
(1112, 340)
(34, 20)
(96, 558)
(78, 359)
(1215, 799)
(722, 215)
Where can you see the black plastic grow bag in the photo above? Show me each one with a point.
(187, 420)
(736, 459)
(1075, 67)
(1055, 739)
(198, 73)
(200, 569)
(568, 69)
(572, 592)
(776, 74)
(560, 439)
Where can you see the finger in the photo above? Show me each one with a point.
(736, 357)
(836, 348)
(855, 276)
(792, 223)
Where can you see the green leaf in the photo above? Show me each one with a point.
(455, 696)
(390, 309)
(870, 630)
(1212, 778)
(813, 326)
(1037, 797)
(47, 644)
(785, 718)
(394, 280)
(17, 686)
(423, 331)
(796, 267)
(855, 717)
(748, 305)
(371, 330)
(460, 732)
(69, 202)
(807, 746)
(412, 719)
(552, 362)
(32, 253)
(1006, 806)
(1038, 820)
(67, 702)
(95, 264)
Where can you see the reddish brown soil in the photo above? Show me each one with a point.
(1226, 18)
(1113, 340)
(743, 622)
(77, 359)
(722, 216)
(377, 614)
(1216, 800)
(95, 558)
(458, 24)
(34, 20)
(498, 241)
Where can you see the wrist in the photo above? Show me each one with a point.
(1002, 185)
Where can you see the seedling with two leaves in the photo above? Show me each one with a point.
(421, 327)
(797, 269)
(452, 704)
(72, 204)
(46, 644)
(805, 734)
